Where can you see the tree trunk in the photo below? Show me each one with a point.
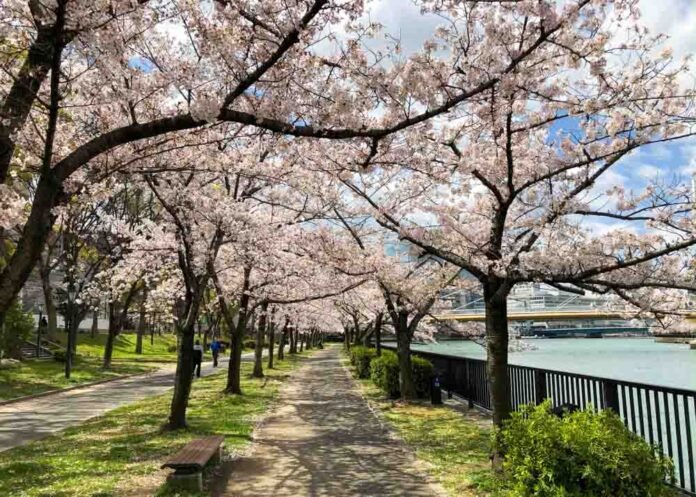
(95, 324)
(271, 339)
(110, 337)
(293, 341)
(31, 243)
(303, 338)
(117, 318)
(378, 334)
(346, 338)
(258, 347)
(140, 331)
(183, 377)
(357, 335)
(49, 303)
(234, 370)
(366, 338)
(403, 350)
(495, 298)
(283, 341)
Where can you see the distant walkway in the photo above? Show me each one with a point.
(25, 421)
(323, 440)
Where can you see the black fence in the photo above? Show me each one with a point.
(661, 415)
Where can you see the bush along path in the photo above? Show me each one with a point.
(119, 454)
(323, 440)
(453, 442)
(548, 452)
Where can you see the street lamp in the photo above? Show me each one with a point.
(38, 332)
(68, 327)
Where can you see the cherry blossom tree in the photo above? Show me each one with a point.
(504, 188)
(103, 82)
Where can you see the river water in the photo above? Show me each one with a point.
(632, 359)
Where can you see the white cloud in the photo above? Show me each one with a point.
(676, 19)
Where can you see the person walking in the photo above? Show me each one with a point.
(215, 349)
(197, 358)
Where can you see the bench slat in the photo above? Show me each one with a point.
(196, 453)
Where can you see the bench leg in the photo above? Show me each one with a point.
(189, 479)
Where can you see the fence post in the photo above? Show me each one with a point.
(539, 386)
(469, 385)
(451, 380)
(611, 395)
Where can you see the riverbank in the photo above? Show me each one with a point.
(640, 360)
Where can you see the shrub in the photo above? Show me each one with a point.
(384, 372)
(387, 375)
(582, 453)
(18, 327)
(422, 374)
(59, 355)
(360, 357)
(249, 344)
(171, 348)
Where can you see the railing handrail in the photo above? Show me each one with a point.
(668, 389)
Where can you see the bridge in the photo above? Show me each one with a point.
(533, 307)
(548, 315)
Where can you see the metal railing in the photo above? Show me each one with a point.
(661, 415)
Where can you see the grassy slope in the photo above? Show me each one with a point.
(39, 376)
(33, 377)
(454, 442)
(114, 454)
(124, 347)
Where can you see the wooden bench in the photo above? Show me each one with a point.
(194, 456)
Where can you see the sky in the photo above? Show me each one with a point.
(675, 18)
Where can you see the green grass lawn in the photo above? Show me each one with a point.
(33, 377)
(124, 347)
(455, 442)
(120, 453)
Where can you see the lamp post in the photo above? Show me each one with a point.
(38, 332)
(68, 328)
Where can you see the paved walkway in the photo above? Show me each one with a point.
(323, 440)
(29, 420)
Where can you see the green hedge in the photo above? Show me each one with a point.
(422, 373)
(583, 453)
(18, 327)
(385, 374)
(60, 355)
(360, 358)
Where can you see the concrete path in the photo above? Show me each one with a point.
(26, 421)
(323, 440)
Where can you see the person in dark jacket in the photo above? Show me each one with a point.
(197, 358)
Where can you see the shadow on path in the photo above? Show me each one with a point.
(323, 440)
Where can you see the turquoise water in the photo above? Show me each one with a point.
(632, 359)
